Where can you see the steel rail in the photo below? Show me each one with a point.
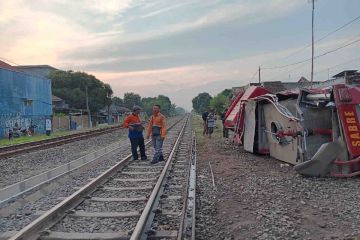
(30, 146)
(140, 228)
(34, 230)
(187, 224)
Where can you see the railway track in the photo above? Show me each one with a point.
(131, 200)
(43, 144)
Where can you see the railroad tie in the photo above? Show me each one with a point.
(99, 199)
(164, 234)
(98, 214)
(134, 179)
(86, 236)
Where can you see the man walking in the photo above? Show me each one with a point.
(157, 130)
(204, 117)
(225, 130)
(210, 123)
(133, 122)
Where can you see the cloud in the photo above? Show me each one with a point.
(165, 9)
(185, 82)
(245, 14)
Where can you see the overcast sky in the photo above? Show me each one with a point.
(179, 48)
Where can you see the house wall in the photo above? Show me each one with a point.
(63, 122)
(23, 99)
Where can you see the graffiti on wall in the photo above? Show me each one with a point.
(9, 121)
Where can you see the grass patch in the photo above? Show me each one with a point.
(25, 139)
(197, 123)
(217, 141)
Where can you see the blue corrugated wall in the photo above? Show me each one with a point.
(23, 98)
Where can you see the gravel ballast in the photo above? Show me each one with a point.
(13, 219)
(20, 167)
(258, 197)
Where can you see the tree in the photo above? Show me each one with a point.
(164, 103)
(131, 99)
(219, 103)
(201, 102)
(228, 93)
(71, 86)
(108, 99)
(147, 104)
(179, 110)
(118, 101)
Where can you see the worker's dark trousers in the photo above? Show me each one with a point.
(225, 132)
(135, 143)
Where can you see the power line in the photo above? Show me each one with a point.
(317, 72)
(338, 29)
(325, 36)
(337, 65)
(252, 78)
(347, 43)
(293, 69)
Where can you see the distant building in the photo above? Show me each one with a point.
(24, 99)
(59, 104)
(116, 112)
(36, 70)
(344, 77)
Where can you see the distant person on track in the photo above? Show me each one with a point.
(133, 122)
(157, 131)
(225, 130)
(210, 123)
(204, 117)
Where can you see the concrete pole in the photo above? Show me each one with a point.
(87, 106)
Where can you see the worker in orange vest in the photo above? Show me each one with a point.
(157, 130)
(133, 122)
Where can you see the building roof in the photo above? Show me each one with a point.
(346, 72)
(303, 80)
(56, 99)
(35, 66)
(7, 66)
(274, 87)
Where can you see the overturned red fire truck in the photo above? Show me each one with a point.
(315, 129)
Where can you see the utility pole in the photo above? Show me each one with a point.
(312, 43)
(87, 106)
(328, 73)
(259, 75)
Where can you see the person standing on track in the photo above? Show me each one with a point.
(225, 130)
(133, 122)
(204, 117)
(157, 130)
(210, 122)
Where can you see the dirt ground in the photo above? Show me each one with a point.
(257, 197)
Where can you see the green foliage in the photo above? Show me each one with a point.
(167, 108)
(179, 110)
(221, 101)
(147, 104)
(131, 99)
(118, 101)
(165, 104)
(71, 86)
(59, 114)
(228, 93)
(201, 102)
